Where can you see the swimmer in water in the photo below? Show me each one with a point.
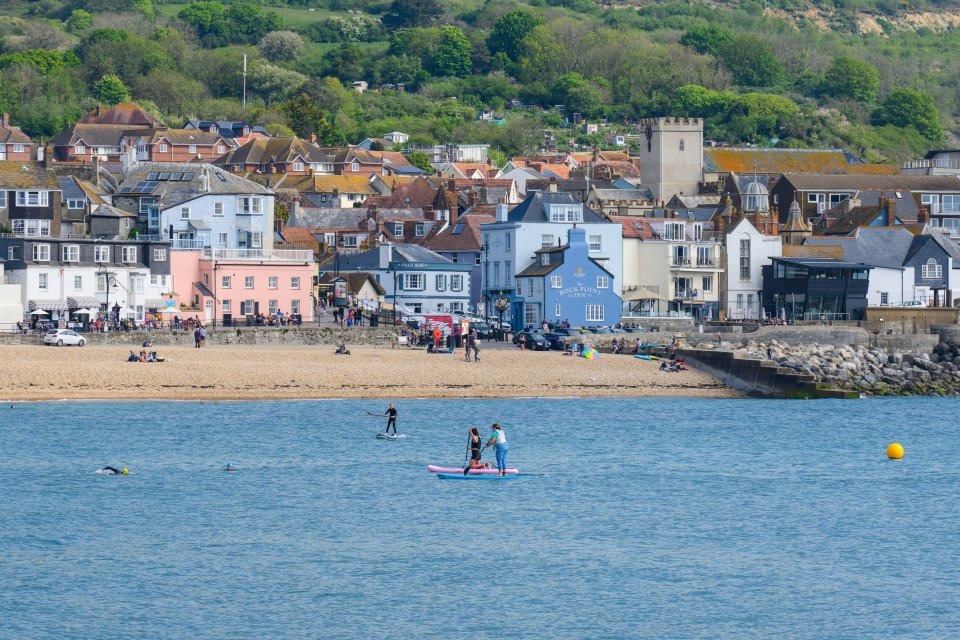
(229, 467)
(115, 471)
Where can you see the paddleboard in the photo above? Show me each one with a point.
(384, 436)
(460, 476)
(432, 468)
(646, 357)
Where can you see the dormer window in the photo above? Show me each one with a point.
(544, 259)
(566, 213)
(214, 128)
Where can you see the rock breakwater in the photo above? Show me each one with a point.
(869, 370)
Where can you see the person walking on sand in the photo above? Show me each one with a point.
(391, 419)
(196, 338)
(498, 439)
(476, 346)
(203, 336)
(468, 341)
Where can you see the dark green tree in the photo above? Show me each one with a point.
(209, 20)
(306, 118)
(451, 56)
(752, 62)
(708, 38)
(78, 22)
(420, 160)
(412, 13)
(906, 107)
(851, 78)
(509, 31)
(110, 90)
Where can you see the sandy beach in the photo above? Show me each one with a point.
(233, 372)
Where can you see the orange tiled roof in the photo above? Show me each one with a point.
(829, 161)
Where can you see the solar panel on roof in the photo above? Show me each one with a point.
(125, 190)
(175, 176)
(187, 177)
(152, 175)
(164, 176)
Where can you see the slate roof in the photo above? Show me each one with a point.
(317, 218)
(107, 211)
(533, 208)
(174, 192)
(228, 128)
(878, 247)
(823, 182)
(71, 190)
(462, 235)
(27, 174)
(774, 161)
(369, 260)
(278, 150)
(643, 195)
(821, 263)
(942, 241)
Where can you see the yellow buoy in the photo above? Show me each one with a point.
(895, 451)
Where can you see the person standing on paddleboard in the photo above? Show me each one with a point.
(499, 441)
(391, 419)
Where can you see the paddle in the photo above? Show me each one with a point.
(466, 462)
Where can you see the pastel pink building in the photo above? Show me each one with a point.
(230, 284)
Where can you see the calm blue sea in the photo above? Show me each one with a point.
(660, 518)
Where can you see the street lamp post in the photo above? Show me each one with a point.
(501, 305)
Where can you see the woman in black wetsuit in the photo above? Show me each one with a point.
(391, 419)
(474, 446)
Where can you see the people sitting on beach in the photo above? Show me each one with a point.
(342, 350)
(133, 357)
(147, 343)
(636, 347)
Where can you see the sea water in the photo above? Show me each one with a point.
(658, 518)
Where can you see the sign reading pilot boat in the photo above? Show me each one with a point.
(340, 296)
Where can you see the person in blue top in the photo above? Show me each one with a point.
(499, 441)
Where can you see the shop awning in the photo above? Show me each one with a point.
(83, 303)
(203, 290)
(641, 293)
(48, 305)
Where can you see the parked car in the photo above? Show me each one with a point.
(483, 329)
(555, 340)
(915, 304)
(567, 332)
(534, 340)
(61, 337)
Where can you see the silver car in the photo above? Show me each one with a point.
(61, 337)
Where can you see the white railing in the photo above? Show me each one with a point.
(931, 164)
(34, 236)
(286, 255)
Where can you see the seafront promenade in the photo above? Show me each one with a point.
(229, 372)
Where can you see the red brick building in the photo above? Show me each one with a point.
(14, 143)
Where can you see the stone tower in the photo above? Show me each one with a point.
(671, 156)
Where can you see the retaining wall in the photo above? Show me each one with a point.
(302, 336)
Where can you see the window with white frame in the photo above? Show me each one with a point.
(256, 240)
(250, 205)
(441, 282)
(129, 254)
(18, 148)
(412, 281)
(298, 166)
(248, 282)
(246, 307)
(704, 256)
(295, 307)
(698, 232)
(218, 209)
(33, 198)
(350, 241)
(221, 149)
(32, 228)
(556, 282)
(398, 229)
(13, 253)
(136, 283)
(531, 313)
(225, 306)
(41, 253)
(745, 258)
(77, 283)
(884, 298)
(456, 306)
(674, 231)
(456, 282)
(595, 243)
(557, 311)
(355, 167)
(932, 270)
(101, 254)
(145, 203)
(192, 148)
(184, 213)
(159, 255)
(71, 252)
(420, 229)
(708, 283)
(476, 259)
(75, 204)
(42, 281)
(508, 273)
(603, 282)
(272, 306)
(224, 282)
(295, 282)
(739, 301)
(750, 301)
(272, 282)
(546, 240)
(3, 199)
(594, 313)
(223, 239)
(163, 147)
(79, 149)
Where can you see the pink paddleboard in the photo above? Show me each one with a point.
(435, 469)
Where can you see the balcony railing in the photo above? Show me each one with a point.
(931, 164)
(35, 236)
(276, 255)
(687, 294)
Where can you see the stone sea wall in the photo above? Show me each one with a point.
(272, 336)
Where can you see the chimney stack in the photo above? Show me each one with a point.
(313, 138)
(6, 118)
(891, 211)
(502, 211)
(386, 254)
(552, 187)
(923, 216)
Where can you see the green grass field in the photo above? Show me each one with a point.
(293, 17)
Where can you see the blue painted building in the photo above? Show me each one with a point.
(565, 283)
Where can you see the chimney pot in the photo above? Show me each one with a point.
(6, 118)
